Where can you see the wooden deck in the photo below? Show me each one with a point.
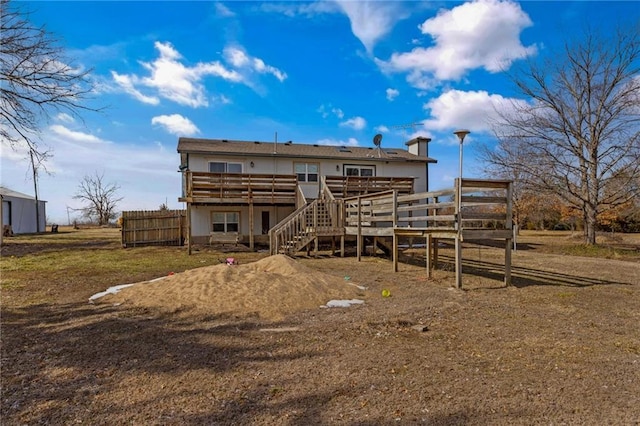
(476, 210)
(239, 188)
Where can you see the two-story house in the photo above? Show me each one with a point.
(242, 189)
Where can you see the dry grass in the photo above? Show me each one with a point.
(79, 263)
(609, 245)
(562, 346)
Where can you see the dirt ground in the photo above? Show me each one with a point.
(560, 346)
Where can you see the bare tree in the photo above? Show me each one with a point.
(100, 198)
(579, 130)
(36, 79)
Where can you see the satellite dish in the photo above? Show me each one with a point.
(377, 139)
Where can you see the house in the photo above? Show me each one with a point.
(240, 190)
(19, 212)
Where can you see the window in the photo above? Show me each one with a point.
(218, 167)
(359, 171)
(307, 172)
(225, 222)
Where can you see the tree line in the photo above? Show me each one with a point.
(575, 141)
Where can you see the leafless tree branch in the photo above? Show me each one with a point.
(578, 136)
(36, 79)
(100, 198)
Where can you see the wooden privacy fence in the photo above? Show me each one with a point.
(157, 227)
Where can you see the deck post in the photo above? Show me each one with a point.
(394, 214)
(507, 263)
(458, 242)
(189, 228)
(435, 253)
(342, 245)
(251, 223)
(429, 265)
(435, 240)
(508, 241)
(359, 242)
(458, 254)
(395, 252)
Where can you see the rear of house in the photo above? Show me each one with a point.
(239, 190)
(19, 212)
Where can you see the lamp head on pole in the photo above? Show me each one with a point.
(461, 134)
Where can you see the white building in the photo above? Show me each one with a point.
(19, 212)
(241, 189)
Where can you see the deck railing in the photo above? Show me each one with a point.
(349, 186)
(202, 187)
(484, 204)
(318, 218)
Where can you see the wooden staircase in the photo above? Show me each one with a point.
(318, 218)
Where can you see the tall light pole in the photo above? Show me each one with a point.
(461, 135)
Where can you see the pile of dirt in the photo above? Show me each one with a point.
(270, 288)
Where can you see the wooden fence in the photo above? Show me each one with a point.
(158, 227)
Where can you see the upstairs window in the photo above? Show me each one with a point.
(219, 167)
(307, 172)
(364, 171)
(225, 222)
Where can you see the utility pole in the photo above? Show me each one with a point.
(35, 188)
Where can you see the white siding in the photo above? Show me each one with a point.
(201, 218)
(22, 214)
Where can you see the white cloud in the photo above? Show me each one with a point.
(65, 118)
(75, 136)
(293, 9)
(146, 173)
(221, 99)
(326, 110)
(238, 58)
(475, 110)
(356, 123)
(381, 129)
(479, 34)
(126, 83)
(338, 142)
(173, 80)
(392, 94)
(176, 124)
(223, 11)
(371, 20)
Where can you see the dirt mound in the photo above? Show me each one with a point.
(269, 288)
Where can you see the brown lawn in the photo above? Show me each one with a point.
(249, 343)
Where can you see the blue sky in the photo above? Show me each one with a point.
(329, 72)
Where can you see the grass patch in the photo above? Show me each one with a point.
(74, 265)
(602, 251)
(10, 284)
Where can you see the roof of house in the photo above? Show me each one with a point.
(6, 192)
(298, 150)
